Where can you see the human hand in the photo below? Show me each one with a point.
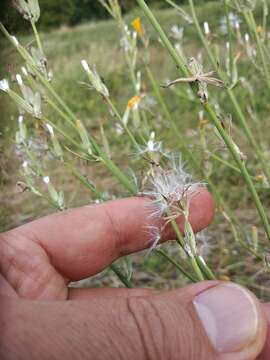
(41, 318)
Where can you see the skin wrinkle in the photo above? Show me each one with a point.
(143, 311)
(135, 311)
(117, 237)
(33, 272)
(121, 331)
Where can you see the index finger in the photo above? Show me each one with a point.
(81, 242)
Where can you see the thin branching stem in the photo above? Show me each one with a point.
(181, 64)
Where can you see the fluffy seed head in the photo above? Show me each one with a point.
(172, 186)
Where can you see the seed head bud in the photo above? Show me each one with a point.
(20, 119)
(259, 29)
(206, 28)
(85, 66)
(260, 178)
(246, 37)
(28, 9)
(50, 129)
(24, 71)
(4, 85)
(25, 164)
(19, 79)
(46, 179)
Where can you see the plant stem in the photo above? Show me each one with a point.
(253, 27)
(180, 62)
(229, 29)
(37, 37)
(242, 167)
(205, 268)
(231, 95)
(121, 276)
(181, 242)
(178, 266)
(118, 116)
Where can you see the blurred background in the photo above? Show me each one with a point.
(70, 12)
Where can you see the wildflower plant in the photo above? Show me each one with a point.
(203, 79)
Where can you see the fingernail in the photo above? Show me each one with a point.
(229, 316)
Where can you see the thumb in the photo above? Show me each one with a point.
(206, 321)
(209, 320)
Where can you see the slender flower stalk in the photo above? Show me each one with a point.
(230, 93)
(231, 147)
(250, 20)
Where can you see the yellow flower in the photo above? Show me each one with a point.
(259, 29)
(137, 25)
(224, 278)
(134, 102)
(260, 178)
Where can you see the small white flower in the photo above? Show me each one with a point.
(4, 85)
(247, 38)
(177, 32)
(25, 164)
(95, 79)
(20, 119)
(152, 146)
(19, 79)
(206, 28)
(46, 179)
(50, 129)
(24, 71)
(85, 66)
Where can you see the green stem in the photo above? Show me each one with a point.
(230, 93)
(37, 37)
(205, 269)
(178, 266)
(179, 62)
(253, 26)
(121, 276)
(119, 118)
(242, 168)
(229, 29)
(196, 268)
(181, 241)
